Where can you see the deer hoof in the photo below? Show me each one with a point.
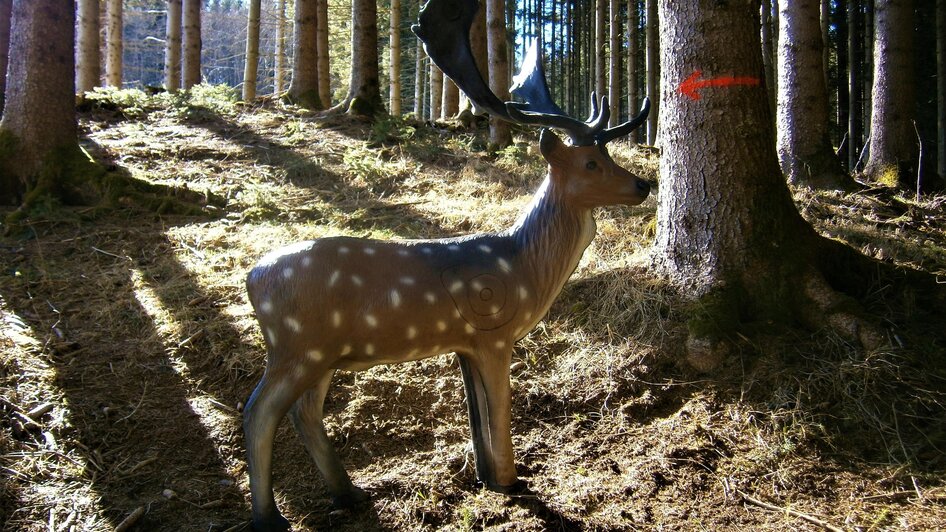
(353, 498)
(272, 523)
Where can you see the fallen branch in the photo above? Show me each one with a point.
(130, 521)
(810, 518)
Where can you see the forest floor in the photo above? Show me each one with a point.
(128, 347)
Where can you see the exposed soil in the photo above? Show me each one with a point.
(128, 347)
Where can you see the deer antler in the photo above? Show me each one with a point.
(445, 30)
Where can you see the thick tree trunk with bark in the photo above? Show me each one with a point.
(601, 18)
(614, 62)
(88, 59)
(768, 54)
(192, 42)
(893, 144)
(304, 87)
(394, 96)
(450, 103)
(804, 149)
(279, 63)
(325, 90)
(436, 91)
(728, 232)
(632, 64)
(364, 90)
(113, 39)
(38, 133)
(499, 133)
(420, 79)
(855, 49)
(172, 47)
(653, 69)
(251, 66)
(6, 11)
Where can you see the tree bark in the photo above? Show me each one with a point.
(420, 80)
(768, 54)
(450, 104)
(172, 47)
(113, 39)
(88, 60)
(364, 90)
(304, 87)
(601, 18)
(250, 69)
(436, 92)
(192, 42)
(499, 132)
(6, 15)
(855, 64)
(325, 89)
(804, 149)
(632, 84)
(279, 64)
(893, 142)
(614, 62)
(728, 232)
(395, 38)
(653, 69)
(38, 130)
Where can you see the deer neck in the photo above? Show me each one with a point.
(551, 236)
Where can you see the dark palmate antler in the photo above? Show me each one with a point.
(445, 30)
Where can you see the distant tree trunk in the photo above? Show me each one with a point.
(395, 93)
(867, 77)
(419, 80)
(192, 42)
(89, 62)
(614, 62)
(855, 63)
(279, 65)
(728, 232)
(6, 12)
(364, 90)
(113, 39)
(893, 143)
(601, 19)
(172, 47)
(436, 91)
(843, 91)
(304, 87)
(499, 133)
(252, 51)
(941, 87)
(450, 105)
(38, 129)
(804, 149)
(768, 54)
(825, 38)
(478, 44)
(632, 85)
(325, 89)
(653, 70)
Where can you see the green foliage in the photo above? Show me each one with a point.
(131, 103)
(391, 130)
(202, 100)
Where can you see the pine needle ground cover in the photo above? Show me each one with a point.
(127, 348)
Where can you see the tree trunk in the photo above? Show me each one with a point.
(252, 52)
(632, 85)
(113, 39)
(325, 89)
(304, 87)
(192, 42)
(841, 85)
(653, 69)
(804, 149)
(38, 132)
(499, 134)
(601, 19)
(728, 232)
(941, 87)
(436, 92)
(172, 47)
(768, 54)
(6, 16)
(419, 80)
(395, 94)
(855, 64)
(88, 60)
(614, 62)
(279, 64)
(893, 142)
(450, 104)
(364, 90)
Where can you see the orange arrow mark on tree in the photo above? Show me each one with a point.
(693, 83)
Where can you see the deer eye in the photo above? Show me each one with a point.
(591, 165)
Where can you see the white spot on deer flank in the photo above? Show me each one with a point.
(426, 250)
(306, 262)
(453, 247)
(369, 250)
(332, 279)
(371, 320)
(345, 349)
(287, 273)
(523, 293)
(485, 249)
(456, 286)
(395, 298)
(456, 314)
(469, 329)
(369, 349)
(336, 319)
(494, 309)
(430, 297)
(314, 355)
(357, 280)
(441, 326)
(504, 264)
(271, 335)
(409, 281)
(292, 323)
(411, 332)
(500, 344)
(266, 307)
(343, 250)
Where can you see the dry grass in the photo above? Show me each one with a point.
(127, 347)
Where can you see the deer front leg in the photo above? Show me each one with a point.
(486, 381)
(306, 415)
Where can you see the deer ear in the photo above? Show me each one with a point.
(549, 143)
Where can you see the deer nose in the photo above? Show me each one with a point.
(643, 186)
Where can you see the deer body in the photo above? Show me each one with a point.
(350, 303)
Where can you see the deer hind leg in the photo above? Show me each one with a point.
(268, 404)
(486, 380)
(306, 415)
